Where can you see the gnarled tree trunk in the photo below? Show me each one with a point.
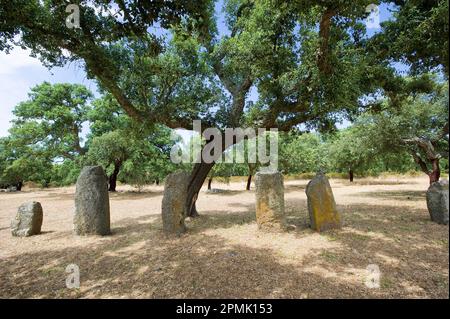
(251, 171)
(209, 183)
(198, 176)
(249, 182)
(113, 176)
(431, 155)
(350, 175)
(435, 173)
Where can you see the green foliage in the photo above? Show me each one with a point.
(311, 63)
(424, 116)
(19, 164)
(45, 131)
(110, 148)
(66, 173)
(418, 35)
(142, 159)
(350, 150)
(52, 118)
(302, 153)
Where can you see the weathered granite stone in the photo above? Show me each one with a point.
(322, 210)
(28, 220)
(92, 202)
(437, 202)
(173, 203)
(270, 201)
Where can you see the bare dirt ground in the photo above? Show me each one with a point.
(223, 255)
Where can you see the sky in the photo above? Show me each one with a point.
(19, 73)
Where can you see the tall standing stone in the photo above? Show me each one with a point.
(322, 210)
(437, 201)
(173, 203)
(28, 220)
(270, 201)
(92, 202)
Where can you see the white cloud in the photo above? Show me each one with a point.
(19, 73)
(14, 82)
(18, 58)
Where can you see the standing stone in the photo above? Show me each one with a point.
(28, 220)
(92, 202)
(437, 201)
(173, 203)
(322, 210)
(270, 201)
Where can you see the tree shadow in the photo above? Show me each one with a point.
(139, 261)
(294, 188)
(142, 263)
(224, 192)
(364, 182)
(56, 195)
(213, 219)
(119, 195)
(398, 195)
(296, 211)
(135, 195)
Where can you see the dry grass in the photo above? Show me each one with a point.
(224, 255)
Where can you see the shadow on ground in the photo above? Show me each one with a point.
(374, 182)
(397, 195)
(134, 195)
(139, 261)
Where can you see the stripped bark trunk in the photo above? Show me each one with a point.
(249, 182)
(198, 176)
(431, 156)
(113, 177)
(251, 171)
(435, 173)
(197, 179)
(209, 183)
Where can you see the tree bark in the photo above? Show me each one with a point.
(198, 176)
(19, 186)
(350, 175)
(249, 182)
(251, 171)
(435, 173)
(324, 38)
(209, 183)
(113, 177)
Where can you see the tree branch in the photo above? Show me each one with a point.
(324, 34)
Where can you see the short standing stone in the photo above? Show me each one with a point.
(28, 220)
(92, 202)
(437, 201)
(173, 202)
(270, 201)
(322, 210)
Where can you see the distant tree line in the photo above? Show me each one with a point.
(46, 146)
